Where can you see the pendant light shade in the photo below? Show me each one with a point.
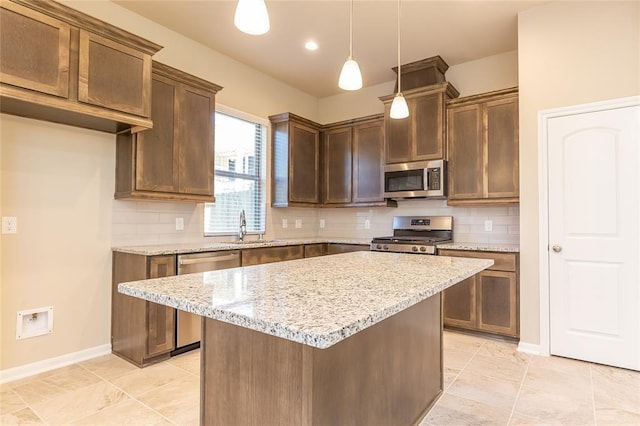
(252, 17)
(399, 107)
(350, 76)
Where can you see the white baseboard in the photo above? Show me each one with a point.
(38, 367)
(529, 348)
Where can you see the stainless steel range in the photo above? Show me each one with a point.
(416, 234)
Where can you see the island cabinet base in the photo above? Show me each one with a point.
(387, 374)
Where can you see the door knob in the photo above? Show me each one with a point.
(557, 248)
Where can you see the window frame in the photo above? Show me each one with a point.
(261, 168)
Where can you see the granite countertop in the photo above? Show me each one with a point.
(317, 301)
(183, 248)
(507, 248)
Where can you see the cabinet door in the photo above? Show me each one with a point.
(337, 166)
(34, 50)
(346, 248)
(260, 256)
(368, 149)
(428, 127)
(303, 163)
(194, 141)
(114, 76)
(466, 168)
(160, 319)
(459, 304)
(397, 138)
(315, 250)
(156, 161)
(502, 170)
(497, 302)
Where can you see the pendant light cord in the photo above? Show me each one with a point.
(351, 32)
(399, 69)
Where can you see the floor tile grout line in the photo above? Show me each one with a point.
(593, 395)
(515, 402)
(125, 393)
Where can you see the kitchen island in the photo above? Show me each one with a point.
(353, 338)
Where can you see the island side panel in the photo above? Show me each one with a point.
(389, 373)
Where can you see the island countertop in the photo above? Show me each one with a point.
(316, 301)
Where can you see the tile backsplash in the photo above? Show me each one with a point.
(152, 222)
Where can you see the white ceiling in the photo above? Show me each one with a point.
(459, 31)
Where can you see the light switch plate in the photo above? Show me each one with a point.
(367, 224)
(298, 223)
(179, 224)
(321, 223)
(9, 225)
(284, 223)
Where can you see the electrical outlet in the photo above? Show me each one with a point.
(9, 225)
(298, 223)
(322, 224)
(488, 226)
(284, 223)
(179, 224)
(367, 224)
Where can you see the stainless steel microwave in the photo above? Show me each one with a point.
(421, 179)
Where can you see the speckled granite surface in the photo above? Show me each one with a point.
(317, 301)
(157, 250)
(508, 248)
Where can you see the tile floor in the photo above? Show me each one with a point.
(486, 382)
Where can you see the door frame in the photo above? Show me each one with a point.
(543, 200)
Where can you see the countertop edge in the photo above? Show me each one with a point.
(504, 248)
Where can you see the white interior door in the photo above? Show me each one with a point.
(594, 217)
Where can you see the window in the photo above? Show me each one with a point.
(239, 174)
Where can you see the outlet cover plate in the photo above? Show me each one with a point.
(9, 225)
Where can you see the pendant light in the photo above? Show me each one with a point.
(252, 17)
(399, 107)
(350, 77)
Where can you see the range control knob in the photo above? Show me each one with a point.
(385, 247)
(423, 249)
(414, 248)
(379, 246)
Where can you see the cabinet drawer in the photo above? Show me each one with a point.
(501, 261)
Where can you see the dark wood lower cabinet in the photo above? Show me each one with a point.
(141, 332)
(346, 248)
(488, 301)
(315, 250)
(259, 256)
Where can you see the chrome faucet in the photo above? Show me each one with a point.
(243, 226)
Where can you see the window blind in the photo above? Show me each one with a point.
(239, 181)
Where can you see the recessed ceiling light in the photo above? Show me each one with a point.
(311, 45)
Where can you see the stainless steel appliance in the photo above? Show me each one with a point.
(188, 326)
(423, 179)
(416, 234)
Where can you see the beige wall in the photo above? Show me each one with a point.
(569, 53)
(59, 181)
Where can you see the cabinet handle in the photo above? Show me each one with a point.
(557, 248)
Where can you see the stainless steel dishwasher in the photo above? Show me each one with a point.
(188, 326)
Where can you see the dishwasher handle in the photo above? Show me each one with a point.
(209, 259)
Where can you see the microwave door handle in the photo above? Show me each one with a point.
(425, 179)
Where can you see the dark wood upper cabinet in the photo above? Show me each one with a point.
(60, 65)
(368, 162)
(482, 137)
(421, 136)
(295, 168)
(175, 159)
(353, 162)
(338, 156)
